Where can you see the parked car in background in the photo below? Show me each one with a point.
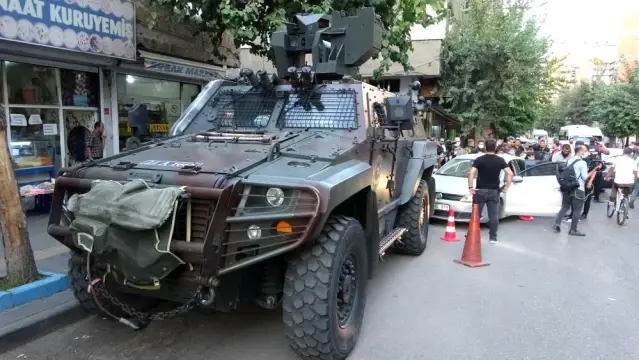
(530, 184)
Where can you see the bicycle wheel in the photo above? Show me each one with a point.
(610, 210)
(622, 213)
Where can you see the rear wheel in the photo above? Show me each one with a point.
(414, 216)
(325, 292)
(610, 209)
(622, 214)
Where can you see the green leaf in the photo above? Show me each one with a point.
(250, 23)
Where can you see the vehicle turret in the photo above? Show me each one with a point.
(339, 45)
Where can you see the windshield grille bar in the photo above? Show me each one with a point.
(336, 109)
(244, 109)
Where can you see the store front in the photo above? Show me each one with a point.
(52, 60)
(165, 85)
(165, 101)
(50, 111)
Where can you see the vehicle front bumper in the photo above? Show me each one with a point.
(218, 242)
(463, 211)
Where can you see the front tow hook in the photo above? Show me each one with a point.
(208, 298)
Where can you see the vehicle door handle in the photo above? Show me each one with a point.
(556, 188)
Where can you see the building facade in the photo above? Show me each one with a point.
(66, 65)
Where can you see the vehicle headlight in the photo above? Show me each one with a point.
(467, 198)
(254, 232)
(275, 197)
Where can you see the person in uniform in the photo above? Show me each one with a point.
(596, 149)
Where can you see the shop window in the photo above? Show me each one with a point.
(34, 137)
(164, 100)
(31, 85)
(79, 88)
(189, 93)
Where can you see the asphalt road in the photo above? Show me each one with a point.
(544, 296)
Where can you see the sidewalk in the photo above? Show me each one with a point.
(23, 323)
(49, 254)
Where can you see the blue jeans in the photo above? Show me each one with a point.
(635, 192)
(490, 198)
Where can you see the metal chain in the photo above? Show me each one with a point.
(161, 315)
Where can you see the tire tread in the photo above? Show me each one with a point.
(307, 293)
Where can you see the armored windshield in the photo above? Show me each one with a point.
(245, 107)
(336, 109)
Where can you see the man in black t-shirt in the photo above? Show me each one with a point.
(488, 167)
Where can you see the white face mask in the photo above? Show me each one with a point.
(481, 146)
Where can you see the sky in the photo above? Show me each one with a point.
(572, 23)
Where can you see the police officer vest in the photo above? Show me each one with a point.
(594, 152)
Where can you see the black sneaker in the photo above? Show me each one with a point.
(576, 233)
(584, 216)
(556, 228)
(493, 241)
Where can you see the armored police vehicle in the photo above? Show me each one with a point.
(282, 189)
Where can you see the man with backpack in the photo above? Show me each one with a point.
(572, 183)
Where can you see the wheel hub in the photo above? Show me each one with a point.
(423, 215)
(347, 288)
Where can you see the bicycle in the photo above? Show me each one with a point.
(620, 207)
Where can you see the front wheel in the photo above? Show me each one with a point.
(610, 209)
(414, 216)
(622, 214)
(325, 292)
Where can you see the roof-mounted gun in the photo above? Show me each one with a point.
(339, 45)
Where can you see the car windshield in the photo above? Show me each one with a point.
(584, 139)
(456, 167)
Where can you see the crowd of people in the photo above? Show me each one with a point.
(584, 162)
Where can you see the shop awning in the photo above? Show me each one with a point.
(180, 67)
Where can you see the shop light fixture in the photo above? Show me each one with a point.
(130, 79)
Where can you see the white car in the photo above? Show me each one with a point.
(534, 191)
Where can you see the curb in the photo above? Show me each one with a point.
(51, 284)
(40, 324)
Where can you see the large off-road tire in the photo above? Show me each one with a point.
(414, 216)
(80, 283)
(325, 292)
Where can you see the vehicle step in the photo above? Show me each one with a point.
(390, 239)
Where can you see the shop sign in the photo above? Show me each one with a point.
(181, 70)
(101, 27)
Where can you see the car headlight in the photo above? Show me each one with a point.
(467, 198)
(254, 232)
(275, 197)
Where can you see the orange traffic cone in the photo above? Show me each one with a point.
(526, 218)
(471, 255)
(451, 234)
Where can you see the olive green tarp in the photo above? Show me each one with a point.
(129, 227)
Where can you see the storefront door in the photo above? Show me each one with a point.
(78, 125)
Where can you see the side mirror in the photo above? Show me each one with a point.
(518, 178)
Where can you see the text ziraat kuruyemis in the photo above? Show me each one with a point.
(70, 17)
